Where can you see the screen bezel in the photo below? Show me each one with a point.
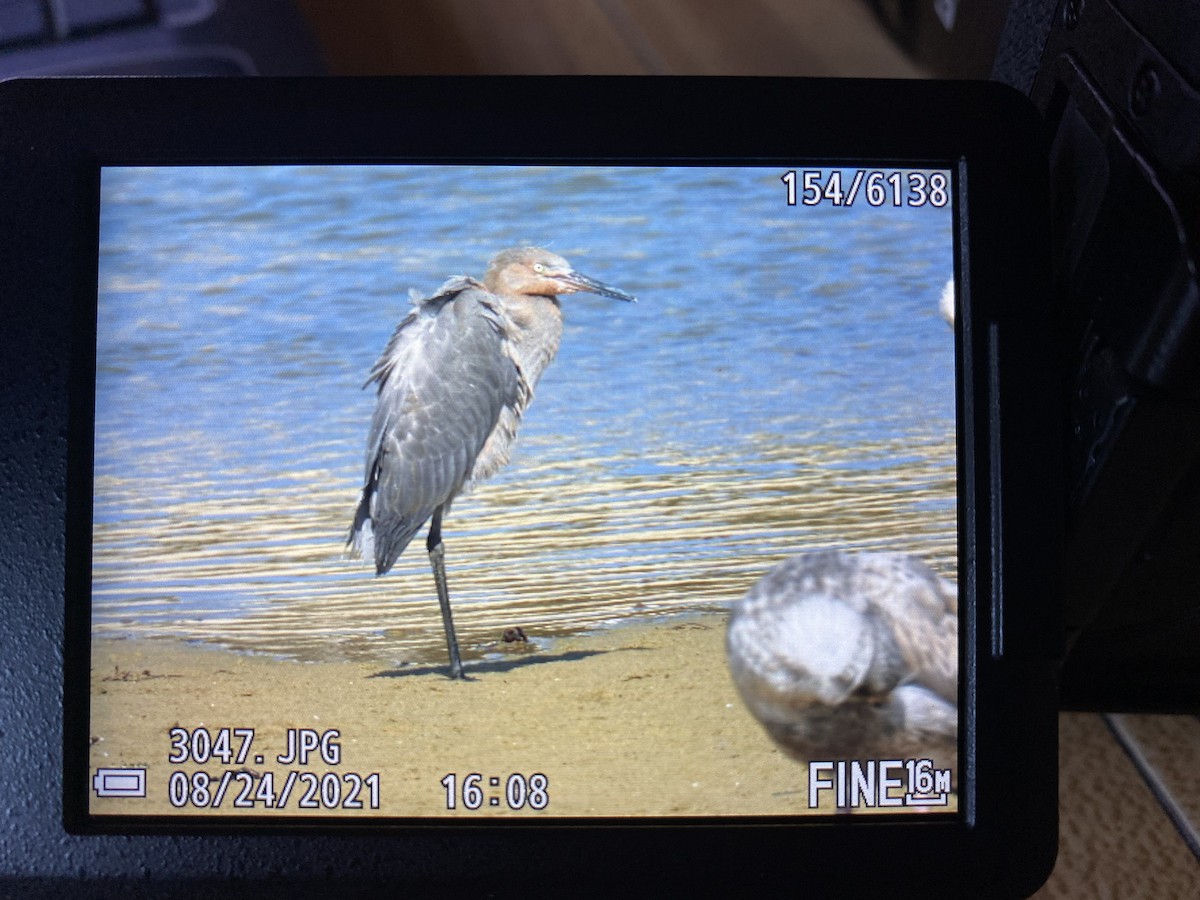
(1007, 403)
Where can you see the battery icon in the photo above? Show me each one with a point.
(120, 783)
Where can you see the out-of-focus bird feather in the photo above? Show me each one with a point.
(850, 656)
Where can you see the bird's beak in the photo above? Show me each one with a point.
(592, 286)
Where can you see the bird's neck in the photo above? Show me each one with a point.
(537, 330)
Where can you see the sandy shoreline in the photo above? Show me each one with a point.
(640, 720)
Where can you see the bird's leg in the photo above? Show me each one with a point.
(437, 557)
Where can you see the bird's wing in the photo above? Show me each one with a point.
(920, 610)
(442, 383)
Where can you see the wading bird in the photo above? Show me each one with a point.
(453, 383)
(850, 656)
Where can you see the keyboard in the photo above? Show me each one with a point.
(155, 37)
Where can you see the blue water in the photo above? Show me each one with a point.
(241, 309)
(245, 306)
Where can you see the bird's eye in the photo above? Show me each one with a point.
(538, 267)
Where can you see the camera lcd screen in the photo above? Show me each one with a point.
(783, 388)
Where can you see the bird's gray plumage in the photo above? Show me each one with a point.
(443, 381)
(850, 656)
(452, 385)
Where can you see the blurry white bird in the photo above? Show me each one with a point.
(946, 302)
(850, 656)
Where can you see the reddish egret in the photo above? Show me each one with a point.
(850, 656)
(452, 384)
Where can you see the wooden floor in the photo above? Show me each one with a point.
(1130, 791)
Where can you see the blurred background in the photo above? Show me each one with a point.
(851, 38)
(1117, 82)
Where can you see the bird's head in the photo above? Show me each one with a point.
(532, 271)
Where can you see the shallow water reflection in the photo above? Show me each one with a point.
(560, 548)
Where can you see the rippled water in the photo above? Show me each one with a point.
(784, 382)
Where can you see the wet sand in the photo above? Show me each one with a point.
(640, 720)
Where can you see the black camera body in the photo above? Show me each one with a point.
(967, 155)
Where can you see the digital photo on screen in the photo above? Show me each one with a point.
(445, 492)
